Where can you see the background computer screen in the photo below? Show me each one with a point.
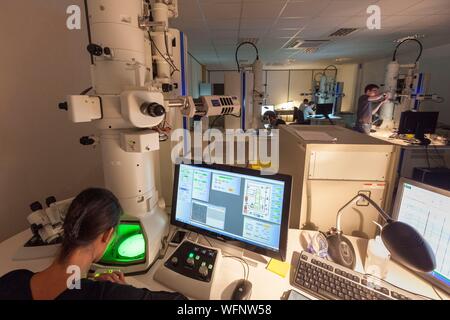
(429, 213)
(242, 207)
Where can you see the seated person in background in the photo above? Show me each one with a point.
(273, 119)
(309, 110)
(296, 112)
(88, 228)
(304, 104)
(365, 111)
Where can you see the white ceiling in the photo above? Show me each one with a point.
(214, 28)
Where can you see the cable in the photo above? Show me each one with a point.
(428, 156)
(437, 293)
(237, 50)
(335, 70)
(442, 156)
(243, 263)
(204, 237)
(168, 55)
(394, 57)
(86, 12)
(241, 260)
(157, 49)
(85, 91)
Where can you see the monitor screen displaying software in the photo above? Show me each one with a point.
(428, 212)
(242, 207)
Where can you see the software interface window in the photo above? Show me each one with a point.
(238, 206)
(427, 211)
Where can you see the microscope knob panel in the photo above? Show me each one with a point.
(203, 270)
(193, 260)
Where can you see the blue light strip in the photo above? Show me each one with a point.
(183, 90)
(243, 104)
(418, 90)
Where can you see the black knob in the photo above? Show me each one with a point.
(107, 51)
(203, 270)
(174, 261)
(95, 49)
(190, 262)
(36, 206)
(50, 200)
(35, 229)
(87, 141)
(152, 109)
(63, 106)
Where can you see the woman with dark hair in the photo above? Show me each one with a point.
(88, 228)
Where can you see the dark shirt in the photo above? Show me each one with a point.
(279, 121)
(364, 112)
(16, 286)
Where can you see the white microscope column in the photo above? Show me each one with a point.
(117, 79)
(257, 94)
(390, 82)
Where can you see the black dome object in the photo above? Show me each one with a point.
(341, 250)
(408, 247)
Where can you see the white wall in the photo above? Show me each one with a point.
(40, 62)
(194, 77)
(434, 61)
(282, 87)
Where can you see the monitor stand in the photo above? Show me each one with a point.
(420, 135)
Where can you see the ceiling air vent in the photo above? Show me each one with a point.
(297, 44)
(343, 32)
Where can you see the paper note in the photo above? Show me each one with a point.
(278, 267)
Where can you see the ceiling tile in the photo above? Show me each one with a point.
(291, 23)
(346, 8)
(267, 9)
(225, 10)
(307, 8)
(389, 7)
(428, 7)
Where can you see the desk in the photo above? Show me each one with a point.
(266, 285)
(385, 135)
(324, 121)
(408, 156)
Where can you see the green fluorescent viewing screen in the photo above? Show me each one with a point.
(127, 246)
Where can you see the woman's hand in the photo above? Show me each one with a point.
(115, 277)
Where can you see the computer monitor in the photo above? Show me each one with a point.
(418, 123)
(236, 205)
(325, 109)
(265, 108)
(427, 209)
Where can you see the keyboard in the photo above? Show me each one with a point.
(327, 280)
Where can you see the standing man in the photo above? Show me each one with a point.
(365, 111)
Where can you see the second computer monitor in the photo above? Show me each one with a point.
(325, 109)
(234, 204)
(413, 122)
(426, 208)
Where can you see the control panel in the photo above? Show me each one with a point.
(193, 260)
(192, 269)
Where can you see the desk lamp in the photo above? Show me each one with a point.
(404, 243)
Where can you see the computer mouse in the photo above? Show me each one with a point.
(242, 291)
